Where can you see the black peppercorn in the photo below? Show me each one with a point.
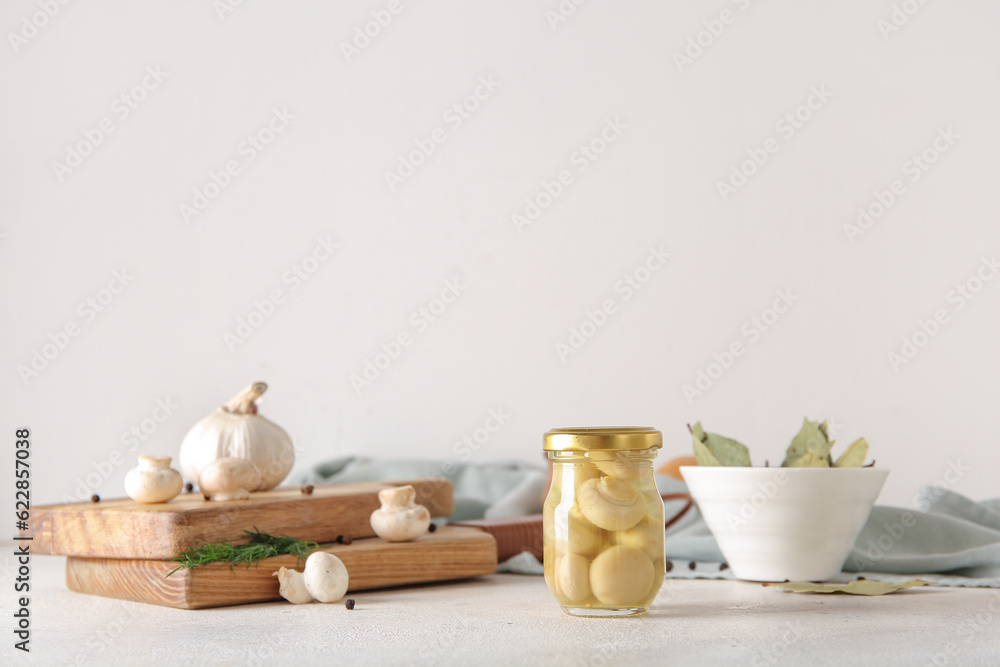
(347, 539)
(95, 498)
(189, 487)
(349, 603)
(431, 528)
(307, 489)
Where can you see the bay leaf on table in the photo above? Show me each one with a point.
(726, 451)
(859, 587)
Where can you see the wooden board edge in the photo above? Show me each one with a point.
(146, 580)
(179, 530)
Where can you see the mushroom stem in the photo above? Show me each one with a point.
(241, 402)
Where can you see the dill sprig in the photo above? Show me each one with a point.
(260, 546)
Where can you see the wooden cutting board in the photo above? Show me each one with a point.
(448, 553)
(122, 528)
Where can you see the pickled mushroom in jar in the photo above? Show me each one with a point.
(621, 576)
(610, 503)
(573, 577)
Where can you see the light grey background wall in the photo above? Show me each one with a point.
(566, 212)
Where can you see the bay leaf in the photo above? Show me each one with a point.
(703, 455)
(810, 461)
(726, 451)
(811, 439)
(824, 428)
(860, 587)
(854, 456)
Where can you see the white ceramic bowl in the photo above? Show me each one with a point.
(774, 524)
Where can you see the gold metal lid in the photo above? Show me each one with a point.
(602, 438)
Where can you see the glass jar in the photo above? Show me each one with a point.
(603, 520)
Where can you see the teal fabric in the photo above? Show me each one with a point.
(482, 490)
(951, 541)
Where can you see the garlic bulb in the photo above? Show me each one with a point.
(236, 430)
(229, 478)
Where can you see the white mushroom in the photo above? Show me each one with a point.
(400, 519)
(229, 478)
(644, 535)
(573, 577)
(610, 503)
(293, 586)
(580, 536)
(621, 576)
(621, 466)
(153, 481)
(325, 576)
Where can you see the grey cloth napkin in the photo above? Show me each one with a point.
(950, 541)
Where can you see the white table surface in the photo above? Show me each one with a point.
(511, 619)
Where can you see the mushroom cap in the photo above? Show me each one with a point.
(611, 503)
(645, 535)
(153, 481)
(580, 535)
(229, 477)
(401, 525)
(621, 576)
(621, 467)
(573, 577)
(325, 576)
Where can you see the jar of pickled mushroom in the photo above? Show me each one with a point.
(603, 520)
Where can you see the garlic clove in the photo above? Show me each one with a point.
(229, 478)
(610, 503)
(621, 576)
(293, 586)
(400, 519)
(325, 576)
